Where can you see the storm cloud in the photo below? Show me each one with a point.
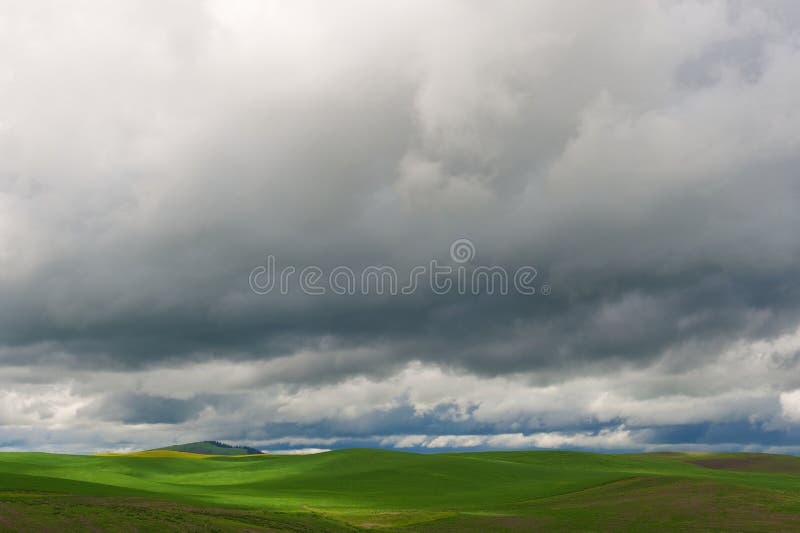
(642, 156)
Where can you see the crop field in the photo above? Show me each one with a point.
(365, 489)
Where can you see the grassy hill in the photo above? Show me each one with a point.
(350, 490)
(210, 447)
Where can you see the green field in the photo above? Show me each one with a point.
(350, 490)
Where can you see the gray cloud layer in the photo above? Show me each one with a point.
(641, 155)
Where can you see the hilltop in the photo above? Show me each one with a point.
(209, 447)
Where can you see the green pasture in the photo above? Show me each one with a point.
(389, 490)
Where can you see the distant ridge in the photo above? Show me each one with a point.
(210, 447)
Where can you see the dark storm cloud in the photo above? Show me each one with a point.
(642, 157)
(142, 409)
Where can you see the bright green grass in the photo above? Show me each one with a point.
(459, 491)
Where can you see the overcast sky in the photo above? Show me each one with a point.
(643, 156)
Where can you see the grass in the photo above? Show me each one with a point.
(360, 488)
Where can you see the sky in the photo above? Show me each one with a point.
(638, 159)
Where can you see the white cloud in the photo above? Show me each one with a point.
(297, 451)
(744, 382)
(609, 438)
(790, 405)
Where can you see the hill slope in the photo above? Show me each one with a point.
(210, 447)
(393, 491)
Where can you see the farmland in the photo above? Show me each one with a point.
(349, 490)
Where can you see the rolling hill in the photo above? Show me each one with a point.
(357, 489)
(210, 447)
